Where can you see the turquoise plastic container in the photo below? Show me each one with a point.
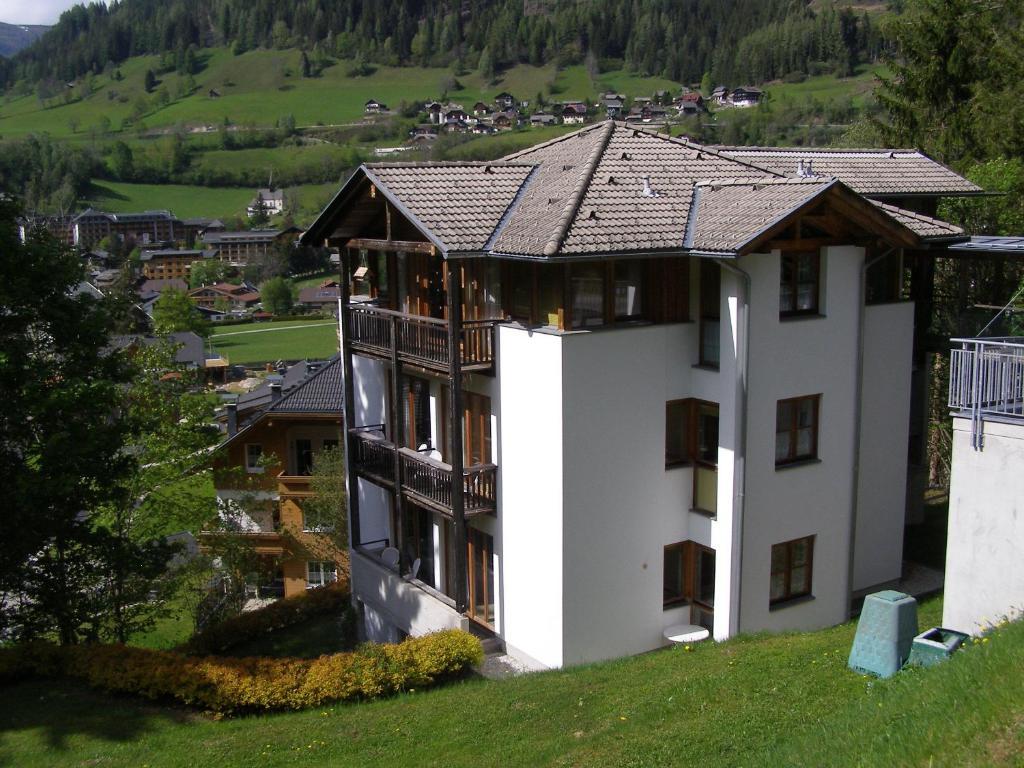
(885, 634)
(935, 646)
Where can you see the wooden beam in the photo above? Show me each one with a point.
(415, 246)
(351, 479)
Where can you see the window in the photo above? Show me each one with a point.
(689, 575)
(691, 437)
(791, 569)
(798, 289)
(253, 458)
(319, 573)
(796, 429)
(670, 290)
(303, 457)
(629, 286)
(587, 281)
(710, 313)
(677, 431)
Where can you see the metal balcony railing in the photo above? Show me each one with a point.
(986, 379)
(419, 340)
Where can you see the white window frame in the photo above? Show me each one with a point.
(322, 572)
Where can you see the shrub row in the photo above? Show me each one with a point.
(333, 598)
(232, 686)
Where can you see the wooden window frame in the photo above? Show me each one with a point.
(691, 406)
(256, 469)
(794, 284)
(793, 429)
(690, 552)
(788, 593)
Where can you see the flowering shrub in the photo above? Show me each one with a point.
(226, 686)
(333, 598)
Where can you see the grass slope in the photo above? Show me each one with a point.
(269, 342)
(753, 701)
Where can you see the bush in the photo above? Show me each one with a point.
(232, 686)
(251, 625)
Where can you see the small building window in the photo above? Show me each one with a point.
(691, 437)
(689, 576)
(629, 290)
(319, 573)
(677, 431)
(796, 429)
(792, 562)
(799, 285)
(710, 313)
(588, 284)
(253, 458)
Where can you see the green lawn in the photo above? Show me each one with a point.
(828, 88)
(269, 342)
(779, 700)
(184, 201)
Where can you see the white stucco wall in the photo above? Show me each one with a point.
(985, 547)
(790, 358)
(529, 380)
(885, 428)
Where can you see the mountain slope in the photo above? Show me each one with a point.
(15, 37)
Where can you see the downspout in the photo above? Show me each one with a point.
(857, 409)
(740, 477)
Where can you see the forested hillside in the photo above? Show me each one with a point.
(682, 40)
(14, 37)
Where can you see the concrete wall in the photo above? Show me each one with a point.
(885, 428)
(530, 493)
(985, 549)
(396, 603)
(789, 358)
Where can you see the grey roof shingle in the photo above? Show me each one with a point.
(921, 225)
(460, 203)
(322, 392)
(728, 214)
(876, 172)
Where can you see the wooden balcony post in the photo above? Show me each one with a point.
(344, 323)
(397, 432)
(455, 432)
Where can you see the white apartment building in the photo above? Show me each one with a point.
(617, 382)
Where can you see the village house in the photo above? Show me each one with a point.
(272, 201)
(374, 107)
(618, 382)
(692, 98)
(91, 226)
(503, 121)
(435, 112)
(540, 119)
(321, 298)
(238, 248)
(505, 101)
(574, 113)
(720, 95)
(262, 476)
(481, 109)
(225, 297)
(171, 263)
(746, 97)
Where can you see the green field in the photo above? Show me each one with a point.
(828, 88)
(270, 342)
(766, 700)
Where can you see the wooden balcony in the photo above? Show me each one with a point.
(421, 341)
(425, 481)
(294, 485)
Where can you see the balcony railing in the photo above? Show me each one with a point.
(425, 480)
(986, 379)
(419, 340)
(294, 485)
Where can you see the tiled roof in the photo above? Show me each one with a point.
(919, 224)
(874, 172)
(320, 393)
(728, 214)
(589, 193)
(460, 203)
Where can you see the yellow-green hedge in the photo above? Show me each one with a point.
(333, 598)
(227, 686)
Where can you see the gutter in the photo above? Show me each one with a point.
(740, 477)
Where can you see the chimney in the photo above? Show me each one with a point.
(800, 169)
(232, 419)
(648, 189)
(275, 392)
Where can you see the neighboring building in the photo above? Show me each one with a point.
(746, 97)
(61, 227)
(321, 298)
(456, 114)
(423, 131)
(691, 100)
(614, 107)
(541, 119)
(480, 109)
(275, 451)
(985, 544)
(374, 107)
(238, 248)
(504, 121)
(435, 111)
(273, 202)
(720, 95)
(482, 128)
(91, 226)
(188, 346)
(574, 114)
(505, 101)
(225, 297)
(171, 263)
(661, 386)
